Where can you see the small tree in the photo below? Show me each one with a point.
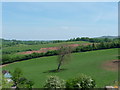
(64, 54)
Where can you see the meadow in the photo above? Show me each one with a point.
(89, 63)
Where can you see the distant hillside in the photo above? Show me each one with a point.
(110, 37)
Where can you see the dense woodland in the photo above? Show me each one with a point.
(97, 44)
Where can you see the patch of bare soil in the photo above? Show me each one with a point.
(111, 65)
(43, 50)
(8, 64)
(3, 65)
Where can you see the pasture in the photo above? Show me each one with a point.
(90, 63)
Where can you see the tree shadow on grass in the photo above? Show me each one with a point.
(55, 71)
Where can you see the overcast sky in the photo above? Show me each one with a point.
(60, 20)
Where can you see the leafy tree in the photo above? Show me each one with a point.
(64, 54)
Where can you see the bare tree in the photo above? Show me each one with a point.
(64, 54)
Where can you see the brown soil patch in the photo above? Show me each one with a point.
(3, 65)
(43, 50)
(111, 65)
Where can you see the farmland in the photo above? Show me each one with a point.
(23, 47)
(59, 45)
(90, 63)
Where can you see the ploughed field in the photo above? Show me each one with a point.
(91, 63)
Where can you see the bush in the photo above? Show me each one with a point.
(20, 81)
(4, 83)
(54, 82)
(25, 83)
(82, 81)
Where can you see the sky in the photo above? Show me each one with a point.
(58, 20)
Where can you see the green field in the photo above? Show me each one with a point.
(23, 47)
(89, 63)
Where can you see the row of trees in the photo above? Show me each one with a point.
(7, 43)
(93, 40)
(97, 46)
(17, 57)
(103, 45)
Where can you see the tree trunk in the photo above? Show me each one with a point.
(59, 66)
(60, 63)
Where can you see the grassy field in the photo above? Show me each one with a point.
(89, 63)
(22, 47)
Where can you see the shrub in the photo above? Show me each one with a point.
(20, 81)
(4, 83)
(54, 82)
(82, 81)
(25, 83)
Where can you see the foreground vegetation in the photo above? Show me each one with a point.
(89, 63)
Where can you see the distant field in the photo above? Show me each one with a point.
(89, 63)
(22, 47)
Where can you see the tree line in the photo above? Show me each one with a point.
(93, 40)
(7, 43)
(95, 46)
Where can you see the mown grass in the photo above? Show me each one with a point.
(89, 63)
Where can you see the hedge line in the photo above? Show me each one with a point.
(103, 45)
